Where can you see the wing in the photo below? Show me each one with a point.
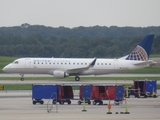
(78, 70)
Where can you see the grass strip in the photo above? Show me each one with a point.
(29, 86)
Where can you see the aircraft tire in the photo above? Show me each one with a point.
(77, 78)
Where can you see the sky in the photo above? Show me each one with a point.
(75, 13)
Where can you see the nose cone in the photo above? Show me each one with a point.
(5, 69)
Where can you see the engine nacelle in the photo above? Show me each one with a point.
(60, 74)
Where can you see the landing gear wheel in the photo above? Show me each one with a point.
(22, 78)
(77, 78)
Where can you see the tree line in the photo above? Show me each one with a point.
(86, 42)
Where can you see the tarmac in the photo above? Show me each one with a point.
(17, 105)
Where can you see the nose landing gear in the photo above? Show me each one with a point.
(22, 78)
(77, 78)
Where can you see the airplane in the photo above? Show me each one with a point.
(64, 67)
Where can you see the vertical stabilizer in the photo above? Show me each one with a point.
(142, 51)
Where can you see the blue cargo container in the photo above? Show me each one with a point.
(120, 91)
(85, 94)
(40, 92)
(146, 88)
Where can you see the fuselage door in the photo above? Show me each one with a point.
(28, 63)
(116, 64)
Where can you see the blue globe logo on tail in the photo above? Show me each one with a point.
(138, 54)
(142, 51)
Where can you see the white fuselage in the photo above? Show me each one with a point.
(49, 65)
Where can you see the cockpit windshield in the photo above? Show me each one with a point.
(15, 62)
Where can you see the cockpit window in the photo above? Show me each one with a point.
(15, 62)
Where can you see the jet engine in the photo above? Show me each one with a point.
(60, 74)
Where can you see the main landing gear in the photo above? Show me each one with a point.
(77, 78)
(22, 78)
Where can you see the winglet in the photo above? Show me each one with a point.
(142, 50)
(92, 63)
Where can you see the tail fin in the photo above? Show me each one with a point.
(142, 51)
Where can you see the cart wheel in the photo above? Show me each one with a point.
(54, 102)
(34, 102)
(116, 103)
(94, 102)
(69, 102)
(101, 102)
(41, 102)
(79, 102)
(89, 102)
(154, 96)
(145, 96)
(61, 102)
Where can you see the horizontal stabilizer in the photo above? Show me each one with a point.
(149, 62)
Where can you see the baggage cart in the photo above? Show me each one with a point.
(85, 94)
(41, 91)
(145, 88)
